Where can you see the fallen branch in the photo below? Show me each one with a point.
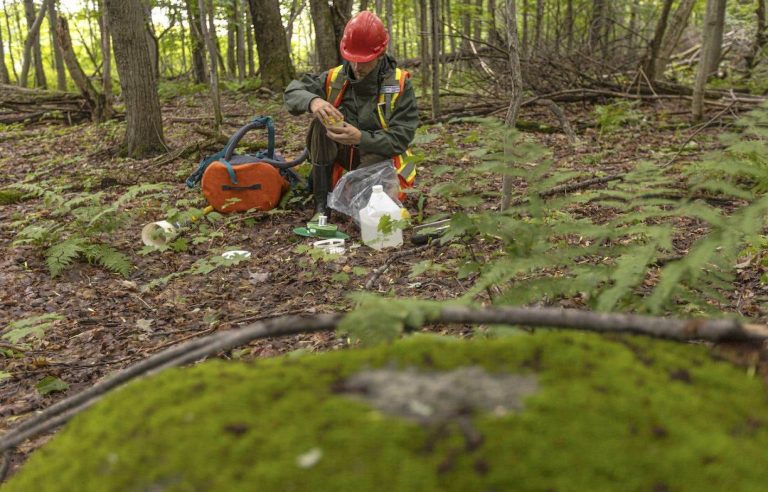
(718, 330)
(392, 258)
(570, 187)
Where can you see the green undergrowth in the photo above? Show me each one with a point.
(623, 413)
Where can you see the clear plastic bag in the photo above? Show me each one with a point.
(352, 192)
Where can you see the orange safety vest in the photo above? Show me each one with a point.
(335, 87)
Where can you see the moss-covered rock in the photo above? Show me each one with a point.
(600, 414)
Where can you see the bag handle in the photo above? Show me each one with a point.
(259, 122)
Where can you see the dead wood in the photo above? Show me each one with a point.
(570, 187)
(20, 104)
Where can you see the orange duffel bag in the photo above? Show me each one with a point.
(235, 183)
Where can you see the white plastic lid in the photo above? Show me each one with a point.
(377, 188)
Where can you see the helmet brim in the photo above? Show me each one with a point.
(359, 57)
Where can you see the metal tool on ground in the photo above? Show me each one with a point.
(321, 229)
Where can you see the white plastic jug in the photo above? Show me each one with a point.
(379, 205)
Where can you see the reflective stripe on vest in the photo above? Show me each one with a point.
(335, 86)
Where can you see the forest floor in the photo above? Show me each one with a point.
(106, 321)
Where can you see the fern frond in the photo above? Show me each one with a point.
(61, 255)
(109, 258)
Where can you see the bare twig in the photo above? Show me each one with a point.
(392, 258)
(570, 187)
(698, 131)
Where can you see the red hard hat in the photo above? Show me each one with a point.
(365, 38)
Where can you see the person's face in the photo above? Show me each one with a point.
(363, 69)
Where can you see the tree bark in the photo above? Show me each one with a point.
(144, 131)
(106, 64)
(672, 38)
(329, 21)
(760, 36)
(206, 28)
(93, 99)
(231, 36)
(61, 72)
(10, 42)
(658, 36)
(240, 38)
(4, 76)
(152, 43)
(197, 44)
(539, 24)
(274, 57)
(29, 8)
(710, 50)
(33, 38)
(391, 28)
(424, 47)
(249, 39)
(516, 94)
(597, 26)
(436, 45)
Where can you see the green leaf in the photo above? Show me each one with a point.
(51, 384)
(4, 376)
(60, 256)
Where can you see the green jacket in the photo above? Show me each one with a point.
(359, 108)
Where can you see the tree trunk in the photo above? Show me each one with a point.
(760, 36)
(106, 64)
(436, 44)
(94, 100)
(478, 24)
(240, 37)
(10, 42)
(710, 50)
(493, 33)
(674, 32)
(658, 36)
(539, 24)
(206, 28)
(597, 26)
(61, 73)
(715, 28)
(197, 44)
(4, 76)
(274, 56)
(127, 24)
(231, 36)
(466, 26)
(329, 21)
(525, 48)
(424, 47)
(249, 40)
(33, 37)
(516, 96)
(29, 9)
(569, 26)
(297, 6)
(152, 43)
(447, 20)
(390, 28)
(378, 7)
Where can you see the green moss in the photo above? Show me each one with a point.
(618, 413)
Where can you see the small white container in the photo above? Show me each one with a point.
(379, 205)
(158, 233)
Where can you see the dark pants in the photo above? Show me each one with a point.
(324, 152)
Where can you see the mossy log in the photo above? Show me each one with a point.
(18, 104)
(550, 411)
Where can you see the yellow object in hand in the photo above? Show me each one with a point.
(333, 122)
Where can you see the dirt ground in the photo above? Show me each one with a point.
(109, 322)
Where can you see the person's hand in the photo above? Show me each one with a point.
(325, 111)
(345, 134)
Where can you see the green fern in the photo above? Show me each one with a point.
(61, 255)
(109, 258)
(33, 325)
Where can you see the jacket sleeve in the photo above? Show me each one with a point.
(299, 93)
(402, 127)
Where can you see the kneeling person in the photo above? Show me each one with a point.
(365, 110)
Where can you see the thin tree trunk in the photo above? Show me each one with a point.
(424, 47)
(493, 33)
(92, 97)
(632, 35)
(379, 8)
(106, 64)
(710, 49)
(152, 43)
(206, 28)
(29, 7)
(760, 37)
(10, 42)
(390, 28)
(249, 39)
(466, 26)
(4, 76)
(436, 43)
(144, 125)
(597, 25)
(197, 43)
(525, 48)
(61, 72)
(274, 57)
(240, 36)
(231, 36)
(677, 25)
(32, 37)
(516, 96)
(183, 34)
(297, 7)
(478, 24)
(539, 25)
(653, 50)
(447, 20)
(363, 5)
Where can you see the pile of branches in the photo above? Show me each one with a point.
(20, 105)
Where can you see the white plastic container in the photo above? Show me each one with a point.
(379, 205)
